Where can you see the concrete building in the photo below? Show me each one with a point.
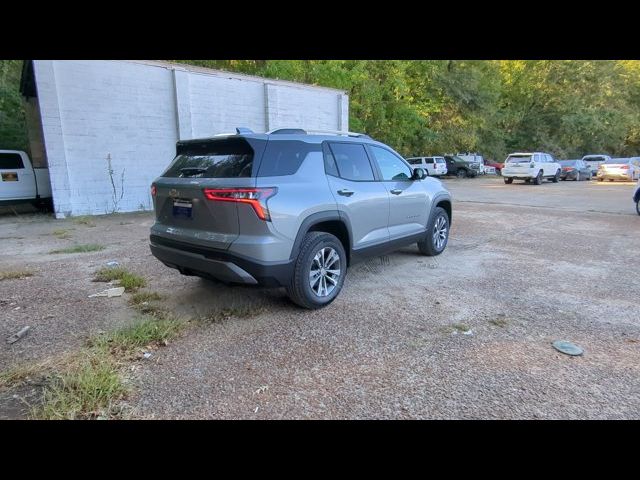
(106, 129)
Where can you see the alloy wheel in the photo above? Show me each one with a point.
(440, 230)
(325, 272)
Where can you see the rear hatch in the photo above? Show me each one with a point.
(616, 166)
(183, 210)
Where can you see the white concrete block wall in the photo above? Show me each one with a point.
(134, 112)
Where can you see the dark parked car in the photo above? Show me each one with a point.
(575, 170)
(459, 167)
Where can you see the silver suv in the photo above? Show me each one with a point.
(293, 209)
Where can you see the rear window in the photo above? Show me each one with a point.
(519, 158)
(284, 157)
(353, 162)
(10, 161)
(618, 160)
(228, 158)
(568, 163)
(440, 160)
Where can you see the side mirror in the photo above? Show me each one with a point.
(418, 174)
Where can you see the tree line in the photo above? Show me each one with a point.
(565, 107)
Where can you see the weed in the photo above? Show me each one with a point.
(90, 247)
(84, 220)
(15, 274)
(130, 281)
(62, 233)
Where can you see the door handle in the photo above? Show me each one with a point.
(396, 191)
(345, 192)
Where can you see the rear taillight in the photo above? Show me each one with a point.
(153, 190)
(256, 197)
(566, 169)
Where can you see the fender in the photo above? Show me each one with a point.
(436, 199)
(316, 218)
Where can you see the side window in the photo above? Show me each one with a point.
(284, 157)
(391, 166)
(329, 162)
(549, 158)
(10, 161)
(429, 161)
(352, 161)
(415, 161)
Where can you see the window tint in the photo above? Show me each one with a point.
(227, 158)
(391, 166)
(284, 157)
(429, 160)
(352, 161)
(329, 162)
(10, 160)
(416, 161)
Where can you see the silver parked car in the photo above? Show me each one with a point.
(292, 209)
(619, 169)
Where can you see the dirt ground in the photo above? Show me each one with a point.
(464, 335)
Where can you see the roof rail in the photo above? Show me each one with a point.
(339, 132)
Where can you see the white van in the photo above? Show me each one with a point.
(529, 167)
(435, 166)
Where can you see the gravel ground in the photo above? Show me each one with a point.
(538, 267)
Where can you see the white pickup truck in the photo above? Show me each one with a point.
(20, 182)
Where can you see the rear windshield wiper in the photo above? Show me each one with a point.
(192, 171)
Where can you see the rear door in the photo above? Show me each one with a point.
(16, 181)
(184, 212)
(409, 201)
(358, 193)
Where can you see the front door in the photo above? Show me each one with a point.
(409, 201)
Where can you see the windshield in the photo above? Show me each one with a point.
(617, 160)
(519, 158)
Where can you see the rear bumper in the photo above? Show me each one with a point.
(615, 175)
(572, 174)
(192, 259)
(519, 174)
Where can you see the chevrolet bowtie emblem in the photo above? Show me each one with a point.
(173, 193)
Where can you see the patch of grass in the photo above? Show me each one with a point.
(142, 297)
(461, 327)
(499, 322)
(15, 274)
(91, 384)
(89, 247)
(130, 281)
(86, 389)
(19, 374)
(146, 332)
(244, 311)
(62, 233)
(84, 220)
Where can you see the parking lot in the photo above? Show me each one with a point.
(466, 334)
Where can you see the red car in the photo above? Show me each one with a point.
(496, 165)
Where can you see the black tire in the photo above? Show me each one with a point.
(461, 173)
(299, 289)
(508, 180)
(589, 177)
(556, 177)
(638, 206)
(538, 179)
(601, 179)
(429, 245)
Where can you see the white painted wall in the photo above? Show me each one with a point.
(134, 112)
